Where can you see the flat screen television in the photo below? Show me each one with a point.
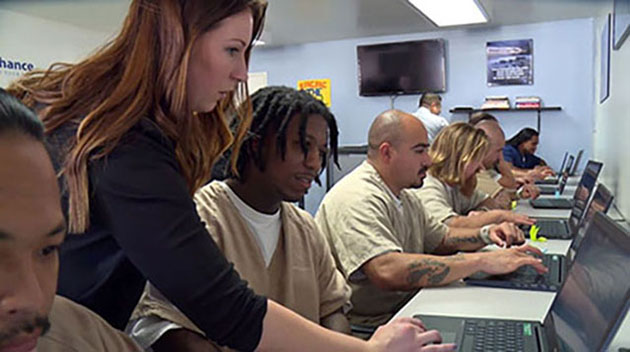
(402, 68)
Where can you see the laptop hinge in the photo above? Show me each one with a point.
(561, 267)
(539, 339)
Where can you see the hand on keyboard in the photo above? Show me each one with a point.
(507, 260)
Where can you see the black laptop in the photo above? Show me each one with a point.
(526, 278)
(554, 180)
(584, 189)
(564, 177)
(585, 314)
(578, 158)
(567, 228)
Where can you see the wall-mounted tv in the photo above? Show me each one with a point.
(402, 68)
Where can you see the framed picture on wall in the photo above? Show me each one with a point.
(604, 87)
(621, 22)
(510, 62)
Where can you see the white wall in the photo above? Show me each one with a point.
(42, 42)
(611, 140)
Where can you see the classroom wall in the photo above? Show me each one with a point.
(611, 142)
(563, 75)
(38, 42)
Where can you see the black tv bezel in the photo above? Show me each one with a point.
(403, 92)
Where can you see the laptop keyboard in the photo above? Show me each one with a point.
(497, 335)
(526, 277)
(557, 228)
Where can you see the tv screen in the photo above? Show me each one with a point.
(402, 68)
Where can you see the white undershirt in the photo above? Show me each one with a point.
(266, 228)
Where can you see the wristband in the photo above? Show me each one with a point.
(484, 234)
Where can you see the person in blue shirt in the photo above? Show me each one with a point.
(519, 154)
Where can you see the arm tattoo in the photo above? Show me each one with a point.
(436, 271)
(454, 242)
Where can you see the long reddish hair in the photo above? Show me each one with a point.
(141, 73)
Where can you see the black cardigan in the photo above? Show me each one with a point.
(144, 225)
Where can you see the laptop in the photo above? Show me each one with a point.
(585, 314)
(574, 170)
(568, 228)
(584, 188)
(564, 177)
(526, 278)
(551, 180)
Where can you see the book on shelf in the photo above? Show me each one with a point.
(496, 102)
(528, 102)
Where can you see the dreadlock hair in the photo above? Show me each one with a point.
(274, 108)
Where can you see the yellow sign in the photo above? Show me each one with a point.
(319, 88)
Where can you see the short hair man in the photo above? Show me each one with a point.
(497, 179)
(32, 227)
(274, 245)
(379, 233)
(429, 109)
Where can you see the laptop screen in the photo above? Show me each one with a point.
(587, 183)
(577, 162)
(565, 175)
(564, 161)
(595, 293)
(601, 201)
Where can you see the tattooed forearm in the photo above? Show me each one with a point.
(435, 271)
(454, 243)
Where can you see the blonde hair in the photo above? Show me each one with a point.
(139, 74)
(453, 149)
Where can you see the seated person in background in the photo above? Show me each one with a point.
(496, 179)
(429, 109)
(386, 244)
(449, 192)
(32, 227)
(519, 154)
(274, 245)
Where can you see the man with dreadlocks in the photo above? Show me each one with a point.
(274, 245)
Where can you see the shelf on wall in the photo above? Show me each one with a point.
(470, 111)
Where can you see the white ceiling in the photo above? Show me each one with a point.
(302, 21)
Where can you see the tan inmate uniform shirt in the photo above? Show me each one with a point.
(487, 182)
(74, 328)
(443, 201)
(301, 275)
(363, 219)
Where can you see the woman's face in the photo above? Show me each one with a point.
(217, 61)
(530, 146)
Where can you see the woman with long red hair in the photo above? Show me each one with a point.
(134, 130)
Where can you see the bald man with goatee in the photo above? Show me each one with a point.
(497, 180)
(385, 243)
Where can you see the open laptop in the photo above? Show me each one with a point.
(568, 228)
(564, 177)
(585, 314)
(526, 278)
(584, 189)
(578, 158)
(553, 180)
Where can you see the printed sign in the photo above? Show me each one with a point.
(319, 88)
(510, 62)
